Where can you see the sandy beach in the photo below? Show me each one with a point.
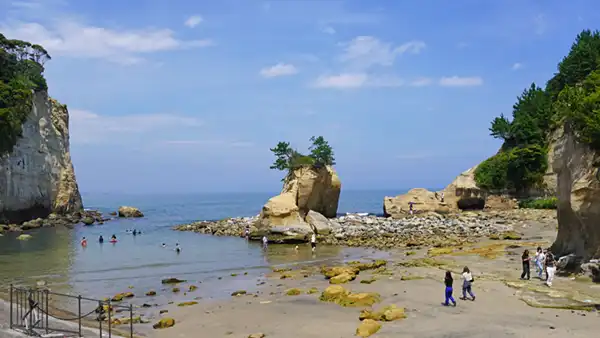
(412, 279)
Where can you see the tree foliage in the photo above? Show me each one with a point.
(572, 95)
(21, 72)
(287, 158)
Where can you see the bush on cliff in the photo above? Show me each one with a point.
(540, 203)
(572, 95)
(21, 72)
(289, 159)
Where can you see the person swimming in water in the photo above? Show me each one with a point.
(135, 232)
(177, 248)
(83, 241)
(100, 239)
(113, 239)
(164, 245)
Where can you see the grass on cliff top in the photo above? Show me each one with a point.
(539, 203)
(571, 96)
(21, 72)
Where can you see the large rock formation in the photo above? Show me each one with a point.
(576, 166)
(37, 178)
(304, 190)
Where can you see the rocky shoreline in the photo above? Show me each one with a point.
(87, 217)
(428, 229)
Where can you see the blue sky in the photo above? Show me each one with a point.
(188, 96)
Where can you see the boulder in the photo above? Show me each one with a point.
(24, 237)
(578, 179)
(423, 201)
(126, 211)
(306, 189)
(164, 323)
(319, 223)
(367, 328)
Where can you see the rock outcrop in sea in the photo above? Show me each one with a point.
(577, 169)
(310, 195)
(37, 179)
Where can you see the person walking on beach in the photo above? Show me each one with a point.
(448, 281)
(540, 258)
(265, 242)
(410, 207)
(247, 232)
(467, 283)
(525, 259)
(442, 197)
(313, 242)
(550, 267)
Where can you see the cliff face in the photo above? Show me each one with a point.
(38, 178)
(575, 165)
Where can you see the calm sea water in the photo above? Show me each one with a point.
(100, 270)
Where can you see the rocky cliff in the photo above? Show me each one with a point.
(576, 167)
(37, 178)
(308, 196)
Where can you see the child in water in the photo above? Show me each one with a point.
(101, 239)
(83, 241)
(448, 281)
(177, 248)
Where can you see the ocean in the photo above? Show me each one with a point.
(138, 263)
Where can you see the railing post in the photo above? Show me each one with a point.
(101, 307)
(10, 325)
(109, 319)
(131, 320)
(47, 294)
(29, 301)
(79, 313)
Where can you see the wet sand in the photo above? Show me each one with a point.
(505, 306)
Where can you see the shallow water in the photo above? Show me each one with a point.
(101, 270)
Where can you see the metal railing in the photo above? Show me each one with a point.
(31, 314)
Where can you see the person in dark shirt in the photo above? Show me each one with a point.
(101, 239)
(526, 268)
(448, 281)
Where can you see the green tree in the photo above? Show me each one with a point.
(284, 154)
(526, 167)
(321, 151)
(501, 128)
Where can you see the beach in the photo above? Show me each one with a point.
(413, 279)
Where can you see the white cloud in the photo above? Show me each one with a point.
(539, 23)
(356, 80)
(89, 127)
(73, 39)
(456, 81)
(341, 81)
(367, 51)
(280, 69)
(232, 144)
(421, 82)
(193, 21)
(517, 66)
(328, 30)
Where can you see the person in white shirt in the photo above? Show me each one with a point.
(467, 282)
(540, 258)
(265, 242)
(313, 241)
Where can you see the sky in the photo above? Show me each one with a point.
(188, 96)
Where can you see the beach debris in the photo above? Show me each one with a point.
(293, 292)
(388, 313)
(187, 303)
(367, 328)
(339, 295)
(172, 281)
(162, 311)
(164, 323)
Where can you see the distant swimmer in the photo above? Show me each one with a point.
(100, 239)
(164, 245)
(113, 239)
(83, 241)
(135, 232)
(177, 248)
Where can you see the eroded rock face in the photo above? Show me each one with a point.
(306, 189)
(423, 201)
(38, 178)
(578, 190)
